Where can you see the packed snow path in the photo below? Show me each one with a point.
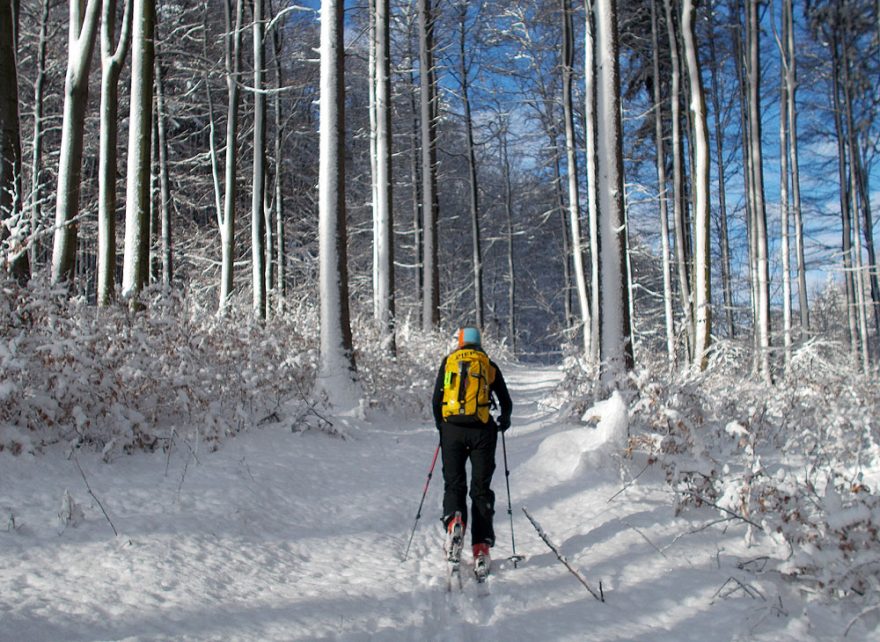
(299, 536)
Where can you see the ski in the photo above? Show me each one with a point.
(455, 538)
(481, 574)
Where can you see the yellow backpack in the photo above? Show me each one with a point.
(466, 383)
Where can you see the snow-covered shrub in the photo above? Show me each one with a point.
(121, 381)
(796, 463)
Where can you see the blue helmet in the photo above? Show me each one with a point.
(469, 336)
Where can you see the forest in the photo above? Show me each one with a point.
(224, 214)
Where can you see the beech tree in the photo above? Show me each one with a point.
(384, 239)
(336, 373)
(135, 267)
(428, 121)
(258, 217)
(668, 315)
(113, 55)
(574, 212)
(82, 32)
(700, 188)
(616, 333)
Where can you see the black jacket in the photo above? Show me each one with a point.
(498, 388)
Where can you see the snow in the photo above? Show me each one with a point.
(299, 536)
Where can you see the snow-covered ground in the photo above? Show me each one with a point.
(299, 536)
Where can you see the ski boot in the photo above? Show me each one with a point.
(482, 562)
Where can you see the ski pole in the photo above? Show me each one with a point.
(514, 558)
(421, 503)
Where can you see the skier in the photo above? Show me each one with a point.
(463, 391)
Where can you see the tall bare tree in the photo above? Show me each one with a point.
(759, 212)
(662, 188)
(473, 188)
(336, 372)
(616, 332)
(700, 190)
(258, 217)
(384, 241)
(428, 112)
(82, 32)
(113, 55)
(136, 264)
(574, 210)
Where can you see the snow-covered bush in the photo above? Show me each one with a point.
(796, 463)
(120, 381)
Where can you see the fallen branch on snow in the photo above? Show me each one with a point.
(600, 595)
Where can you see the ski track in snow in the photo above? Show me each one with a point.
(299, 536)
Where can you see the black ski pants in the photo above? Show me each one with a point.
(477, 444)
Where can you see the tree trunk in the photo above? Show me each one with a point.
(678, 198)
(135, 266)
(258, 217)
(111, 66)
(227, 224)
(791, 89)
(336, 373)
(164, 181)
(574, 216)
(700, 182)
(784, 224)
(845, 214)
(473, 200)
(384, 180)
(616, 336)
(762, 322)
(415, 178)
(592, 178)
(858, 268)
(13, 227)
(508, 212)
(428, 86)
(722, 184)
(281, 256)
(36, 192)
(82, 32)
(374, 169)
(662, 188)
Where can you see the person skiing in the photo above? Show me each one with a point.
(466, 381)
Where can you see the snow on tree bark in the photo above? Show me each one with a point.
(82, 33)
(111, 65)
(135, 265)
(616, 339)
(700, 189)
(336, 373)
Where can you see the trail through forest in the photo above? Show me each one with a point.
(282, 535)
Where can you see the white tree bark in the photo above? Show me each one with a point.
(258, 216)
(384, 242)
(473, 193)
(784, 247)
(227, 223)
(791, 107)
(135, 264)
(662, 188)
(336, 371)
(759, 212)
(700, 188)
(82, 33)
(112, 59)
(616, 338)
(592, 178)
(428, 98)
(574, 215)
(678, 181)
(36, 192)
